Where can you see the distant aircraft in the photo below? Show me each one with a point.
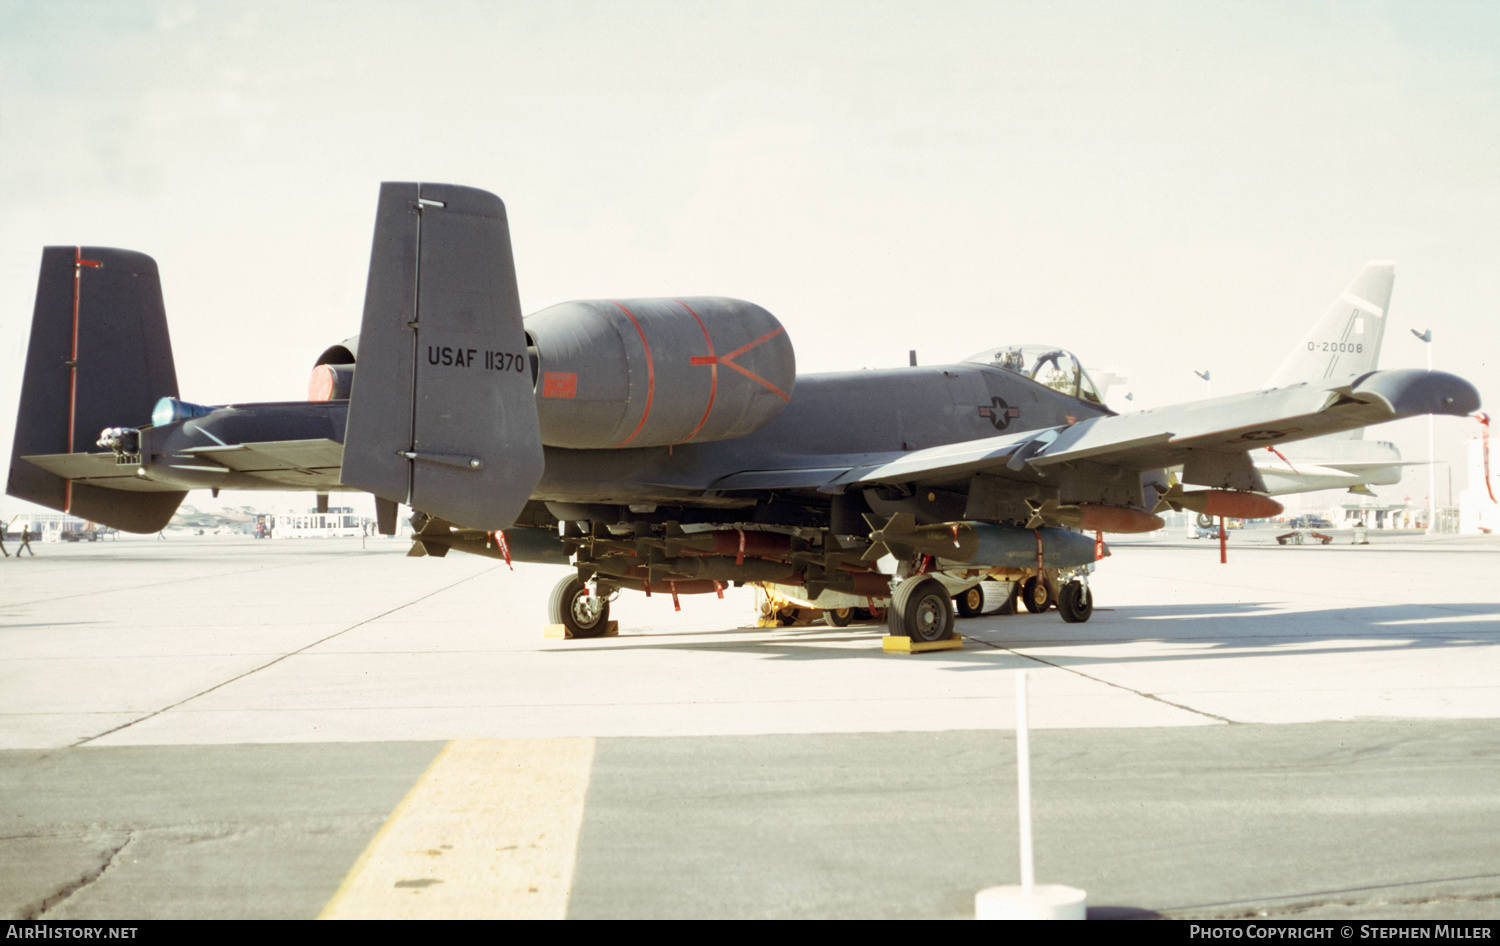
(658, 445)
(190, 517)
(1345, 341)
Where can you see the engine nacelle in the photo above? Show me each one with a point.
(333, 373)
(653, 372)
(637, 372)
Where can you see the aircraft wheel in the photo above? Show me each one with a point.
(838, 617)
(1075, 603)
(583, 614)
(1205, 521)
(1036, 594)
(971, 602)
(921, 609)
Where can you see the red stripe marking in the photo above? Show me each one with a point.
(650, 378)
(729, 360)
(73, 369)
(713, 364)
(1484, 423)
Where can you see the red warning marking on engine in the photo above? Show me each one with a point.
(729, 360)
(713, 362)
(560, 384)
(650, 377)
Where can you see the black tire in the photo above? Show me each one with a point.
(1036, 594)
(922, 610)
(1075, 603)
(971, 602)
(1205, 521)
(583, 614)
(838, 617)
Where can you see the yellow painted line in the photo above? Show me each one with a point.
(490, 831)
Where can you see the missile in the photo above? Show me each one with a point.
(1229, 503)
(1093, 517)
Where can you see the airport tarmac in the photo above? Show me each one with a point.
(222, 727)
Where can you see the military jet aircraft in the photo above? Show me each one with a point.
(659, 445)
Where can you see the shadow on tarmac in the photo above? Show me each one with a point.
(1252, 630)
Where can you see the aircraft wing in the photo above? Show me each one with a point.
(1261, 418)
(1212, 438)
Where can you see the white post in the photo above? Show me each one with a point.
(1431, 461)
(1023, 782)
(1030, 901)
(1426, 338)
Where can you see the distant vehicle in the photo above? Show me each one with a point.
(1197, 531)
(1310, 522)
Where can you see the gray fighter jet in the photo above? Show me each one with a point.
(660, 445)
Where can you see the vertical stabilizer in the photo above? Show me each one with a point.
(1346, 340)
(443, 414)
(99, 356)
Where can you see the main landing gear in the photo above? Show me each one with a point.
(1036, 594)
(921, 609)
(1075, 602)
(1066, 590)
(987, 598)
(571, 605)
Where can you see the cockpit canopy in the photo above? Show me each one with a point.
(1056, 368)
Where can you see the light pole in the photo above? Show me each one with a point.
(1426, 337)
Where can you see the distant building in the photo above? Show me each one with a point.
(336, 522)
(54, 527)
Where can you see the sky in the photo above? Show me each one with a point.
(1161, 187)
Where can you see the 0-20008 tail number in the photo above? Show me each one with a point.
(1355, 347)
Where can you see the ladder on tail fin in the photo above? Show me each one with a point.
(443, 415)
